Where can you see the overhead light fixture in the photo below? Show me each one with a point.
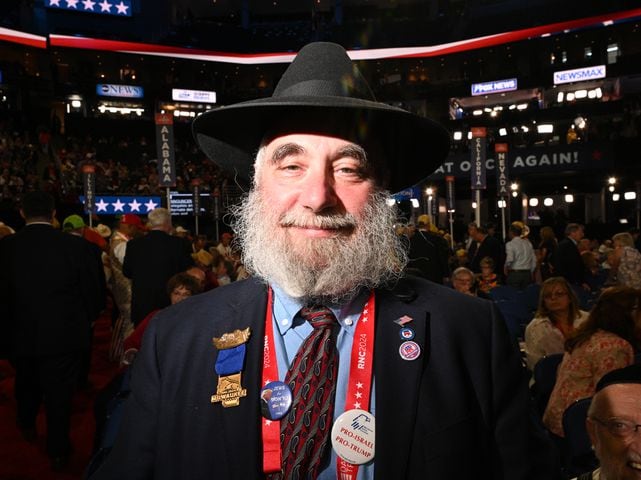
(623, 221)
(569, 97)
(630, 195)
(548, 202)
(474, 205)
(525, 129)
(469, 135)
(581, 93)
(493, 113)
(457, 135)
(612, 48)
(569, 198)
(611, 188)
(514, 186)
(612, 181)
(476, 113)
(559, 97)
(545, 128)
(592, 94)
(534, 202)
(76, 103)
(511, 107)
(615, 197)
(487, 110)
(521, 106)
(515, 194)
(414, 202)
(501, 204)
(502, 132)
(599, 92)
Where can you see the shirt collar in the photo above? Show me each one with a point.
(286, 309)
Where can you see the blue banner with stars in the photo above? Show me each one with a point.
(107, 205)
(120, 8)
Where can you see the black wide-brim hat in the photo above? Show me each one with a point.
(322, 91)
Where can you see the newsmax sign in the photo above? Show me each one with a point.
(579, 74)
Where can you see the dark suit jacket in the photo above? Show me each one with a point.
(48, 291)
(429, 254)
(489, 247)
(461, 410)
(150, 261)
(568, 263)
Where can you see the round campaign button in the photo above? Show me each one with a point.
(275, 400)
(409, 350)
(406, 333)
(353, 436)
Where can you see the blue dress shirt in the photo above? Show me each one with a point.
(293, 330)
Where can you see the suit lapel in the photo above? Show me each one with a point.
(397, 381)
(240, 426)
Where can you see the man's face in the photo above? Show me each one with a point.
(463, 283)
(315, 222)
(619, 455)
(577, 235)
(472, 232)
(306, 177)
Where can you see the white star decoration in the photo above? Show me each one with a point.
(357, 404)
(102, 205)
(105, 6)
(54, 3)
(122, 8)
(88, 4)
(134, 206)
(365, 319)
(359, 385)
(72, 3)
(358, 395)
(268, 422)
(151, 205)
(118, 205)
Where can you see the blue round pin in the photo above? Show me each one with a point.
(406, 333)
(275, 400)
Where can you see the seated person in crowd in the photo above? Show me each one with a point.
(604, 342)
(179, 287)
(627, 260)
(613, 419)
(463, 281)
(487, 279)
(556, 319)
(203, 260)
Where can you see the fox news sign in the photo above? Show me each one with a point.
(496, 86)
(579, 74)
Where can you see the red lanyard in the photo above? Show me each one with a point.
(358, 389)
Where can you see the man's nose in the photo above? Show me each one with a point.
(319, 191)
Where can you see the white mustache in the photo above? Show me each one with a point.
(328, 221)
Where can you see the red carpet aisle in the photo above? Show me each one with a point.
(20, 460)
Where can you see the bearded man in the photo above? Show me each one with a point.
(326, 363)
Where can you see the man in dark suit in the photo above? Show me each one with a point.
(567, 259)
(428, 252)
(48, 286)
(486, 246)
(435, 367)
(152, 260)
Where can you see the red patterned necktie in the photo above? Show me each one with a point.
(312, 380)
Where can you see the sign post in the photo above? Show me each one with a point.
(478, 176)
(165, 151)
(449, 182)
(195, 187)
(502, 180)
(89, 183)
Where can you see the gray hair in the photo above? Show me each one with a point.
(624, 238)
(159, 217)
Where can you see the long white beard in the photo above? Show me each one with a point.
(320, 269)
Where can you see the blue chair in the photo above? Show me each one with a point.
(530, 296)
(544, 376)
(516, 316)
(504, 293)
(579, 456)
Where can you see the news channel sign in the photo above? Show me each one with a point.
(202, 96)
(496, 86)
(122, 91)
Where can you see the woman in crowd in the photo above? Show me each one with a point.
(627, 260)
(557, 317)
(487, 279)
(463, 280)
(546, 249)
(604, 342)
